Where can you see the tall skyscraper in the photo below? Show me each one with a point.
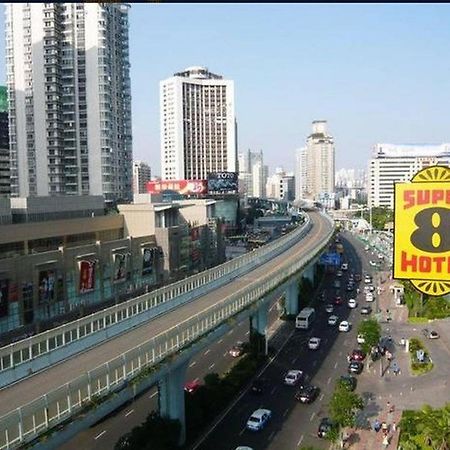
(142, 174)
(198, 127)
(300, 173)
(391, 163)
(5, 181)
(253, 173)
(68, 80)
(320, 161)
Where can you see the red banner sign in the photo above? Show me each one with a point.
(184, 187)
(87, 276)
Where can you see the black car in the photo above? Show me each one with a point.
(307, 394)
(349, 382)
(324, 427)
(355, 367)
(365, 310)
(258, 386)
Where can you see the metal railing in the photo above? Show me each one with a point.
(28, 421)
(20, 358)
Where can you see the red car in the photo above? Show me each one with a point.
(357, 355)
(337, 300)
(192, 386)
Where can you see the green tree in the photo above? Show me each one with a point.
(380, 216)
(370, 329)
(344, 405)
(435, 426)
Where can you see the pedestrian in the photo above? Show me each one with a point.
(394, 427)
(377, 426)
(392, 409)
(386, 441)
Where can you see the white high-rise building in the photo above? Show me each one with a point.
(393, 163)
(281, 185)
(320, 162)
(253, 173)
(198, 127)
(67, 67)
(142, 174)
(300, 173)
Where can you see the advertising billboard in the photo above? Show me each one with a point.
(50, 286)
(4, 294)
(87, 276)
(119, 267)
(330, 259)
(421, 231)
(222, 182)
(148, 256)
(183, 187)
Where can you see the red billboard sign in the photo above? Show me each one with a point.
(184, 187)
(87, 276)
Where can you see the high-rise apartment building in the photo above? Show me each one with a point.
(253, 173)
(5, 182)
(281, 185)
(320, 162)
(198, 127)
(142, 174)
(393, 163)
(300, 173)
(67, 68)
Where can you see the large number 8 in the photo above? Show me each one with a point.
(433, 230)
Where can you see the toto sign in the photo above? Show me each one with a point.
(422, 231)
(222, 182)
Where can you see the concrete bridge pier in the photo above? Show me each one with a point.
(310, 273)
(258, 328)
(171, 396)
(291, 295)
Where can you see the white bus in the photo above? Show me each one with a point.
(305, 318)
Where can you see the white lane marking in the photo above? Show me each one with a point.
(211, 366)
(196, 380)
(293, 360)
(129, 412)
(231, 332)
(100, 435)
(271, 435)
(248, 332)
(300, 440)
(242, 431)
(220, 341)
(335, 365)
(273, 390)
(233, 404)
(154, 393)
(192, 364)
(312, 416)
(315, 363)
(285, 413)
(321, 397)
(207, 351)
(329, 380)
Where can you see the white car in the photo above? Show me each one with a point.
(360, 339)
(339, 273)
(293, 377)
(329, 308)
(258, 420)
(369, 297)
(352, 303)
(344, 266)
(344, 326)
(333, 320)
(314, 343)
(243, 447)
(368, 279)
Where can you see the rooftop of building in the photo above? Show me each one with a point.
(412, 150)
(198, 72)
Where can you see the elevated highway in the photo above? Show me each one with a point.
(37, 403)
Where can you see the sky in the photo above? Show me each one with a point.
(376, 73)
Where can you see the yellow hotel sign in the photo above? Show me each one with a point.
(422, 231)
